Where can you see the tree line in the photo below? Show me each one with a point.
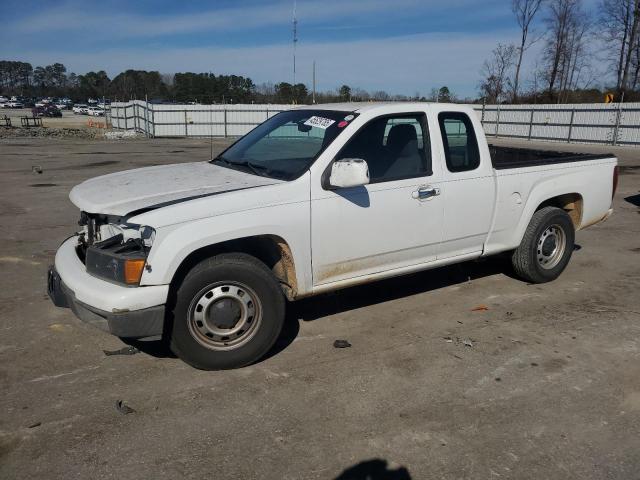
(20, 78)
(567, 69)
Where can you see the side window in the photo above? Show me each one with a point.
(459, 140)
(394, 147)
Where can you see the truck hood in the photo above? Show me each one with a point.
(153, 187)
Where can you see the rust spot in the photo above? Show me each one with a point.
(572, 204)
(344, 268)
(285, 270)
(598, 220)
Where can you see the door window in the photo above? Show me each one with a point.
(459, 141)
(394, 147)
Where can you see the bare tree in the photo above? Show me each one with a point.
(615, 19)
(495, 73)
(633, 38)
(565, 50)
(575, 57)
(525, 11)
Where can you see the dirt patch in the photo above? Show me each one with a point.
(8, 208)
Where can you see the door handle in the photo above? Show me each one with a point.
(425, 193)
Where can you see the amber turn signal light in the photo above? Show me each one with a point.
(133, 271)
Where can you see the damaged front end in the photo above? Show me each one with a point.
(114, 250)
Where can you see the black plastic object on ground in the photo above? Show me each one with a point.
(123, 408)
(341, 344)
(122, 351)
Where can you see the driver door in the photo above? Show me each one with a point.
(392, 223)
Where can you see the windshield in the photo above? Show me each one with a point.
(286, 145)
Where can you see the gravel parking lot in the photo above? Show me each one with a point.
(68, 119)
(543, 384)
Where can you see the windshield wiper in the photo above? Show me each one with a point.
(252, 167)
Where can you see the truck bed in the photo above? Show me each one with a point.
(512, 157)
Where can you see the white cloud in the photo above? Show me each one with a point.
(72, 18)
(399, 65)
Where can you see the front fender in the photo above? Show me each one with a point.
(173, 244)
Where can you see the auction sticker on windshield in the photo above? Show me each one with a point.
(320, 122)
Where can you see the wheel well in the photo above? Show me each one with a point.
(271, 250)
(570, 203)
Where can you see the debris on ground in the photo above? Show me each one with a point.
(34, 425)
(467, 343)
(59, 327)
(123, 408)
(448, 339)
(121, 134)
(480, 308)
(341, 344)
(36, 169)
(122, 351)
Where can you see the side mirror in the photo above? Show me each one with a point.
(349, 172)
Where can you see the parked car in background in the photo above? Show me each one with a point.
(354, 193)
(80, 109)
(62, 106)
(49, 110)
(13, 104)
(95, 111)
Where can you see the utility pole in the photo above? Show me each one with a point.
(295, 39)
(314, 83)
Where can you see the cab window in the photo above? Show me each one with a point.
(394, 147)
(459, 141)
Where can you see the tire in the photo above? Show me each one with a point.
(546, 247)
(229, 311)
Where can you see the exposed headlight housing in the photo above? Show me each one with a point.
(121, 258)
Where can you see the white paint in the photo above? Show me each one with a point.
(123, 192)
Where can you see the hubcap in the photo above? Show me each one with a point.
(551, 246)
(224, 316)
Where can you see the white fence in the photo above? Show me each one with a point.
(160, 120)
(613, 124)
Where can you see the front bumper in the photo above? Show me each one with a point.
(145, 323)
(133, 312)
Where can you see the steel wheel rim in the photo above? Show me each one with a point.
(224, 316)
(551, 246)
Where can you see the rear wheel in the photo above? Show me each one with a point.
(229, 312)
(546, 247)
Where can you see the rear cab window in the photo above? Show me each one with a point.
(459, 142)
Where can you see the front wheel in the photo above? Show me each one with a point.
(229, 312)
(546, 247)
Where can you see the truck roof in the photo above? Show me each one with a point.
(363, 106)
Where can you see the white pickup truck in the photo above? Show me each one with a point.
(314, 199)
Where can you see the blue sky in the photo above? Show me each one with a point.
(401, 46)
